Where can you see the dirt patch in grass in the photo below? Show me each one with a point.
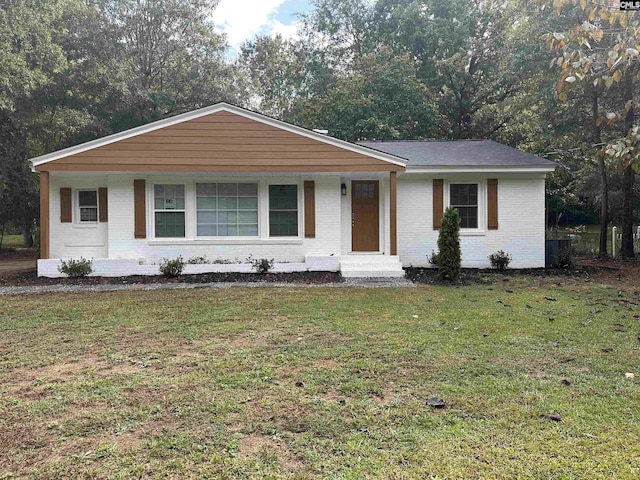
(26, 441)
(325, 363)
(49, 449)
(34, 382)
(254, 444)
(65, 370)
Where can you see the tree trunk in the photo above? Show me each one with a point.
(604, 187)
(27, 236)
(626, 251)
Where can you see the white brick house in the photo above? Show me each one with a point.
(226, 183)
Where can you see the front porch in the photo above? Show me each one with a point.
(350, 266)
(345, 222)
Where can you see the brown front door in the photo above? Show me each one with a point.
(364, 216)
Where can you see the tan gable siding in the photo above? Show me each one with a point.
(219, 142)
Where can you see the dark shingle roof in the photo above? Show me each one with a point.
(478, 153)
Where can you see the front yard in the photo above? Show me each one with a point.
(324, 382)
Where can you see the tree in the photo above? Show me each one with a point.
(606, 58)
(18, 197)
(467, 55)
(343, 29)
(449, 256)
(163, 57)
(273, 66)
(30, 53)
(31, 56)
(380, 99)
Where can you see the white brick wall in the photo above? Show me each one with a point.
(521, 209)
(521, 214)
(74, 240)
(115, 239)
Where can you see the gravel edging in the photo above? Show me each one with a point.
(62, 288)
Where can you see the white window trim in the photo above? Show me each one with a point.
(152, 203)
(191, 212)
(482, 205)
(220, 239)
(76, 209)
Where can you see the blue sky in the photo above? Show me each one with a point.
(242, 19)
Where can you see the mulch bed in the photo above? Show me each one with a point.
(30, 278)
(586, 268)
(472, 276)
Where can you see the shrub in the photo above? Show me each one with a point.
(566, 257)
(449, 255)
(172, 268)
(202, 260)
(260, 265)
(76, 268)
(433, 259)
(224, 261)
(500, 260)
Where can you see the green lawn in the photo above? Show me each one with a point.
(323, 383)
(12, 241)
(587, 240)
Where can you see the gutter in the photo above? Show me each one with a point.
(479, 169)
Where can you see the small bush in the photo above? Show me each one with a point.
(172, 268)
(433, 259)
(500, 260)
(203, 260)
(566, 256)
(449, 256)
(76, 268)
(224, 261)
(260, 265)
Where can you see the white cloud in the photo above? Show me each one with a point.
(288, 32)
(242, 19)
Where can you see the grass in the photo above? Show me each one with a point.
(322, 383)
(588, 238)
(12, 241)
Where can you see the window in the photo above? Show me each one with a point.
(169, 211)
(88, 205)
(227, 209)
(283, 210)
(464, 198)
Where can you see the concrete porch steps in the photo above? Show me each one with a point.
(371, 265)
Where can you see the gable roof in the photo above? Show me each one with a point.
(221, 137)
(459, 153)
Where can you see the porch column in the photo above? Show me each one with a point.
(44, 215)
(392, 213)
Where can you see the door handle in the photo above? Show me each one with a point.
(353, 219)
